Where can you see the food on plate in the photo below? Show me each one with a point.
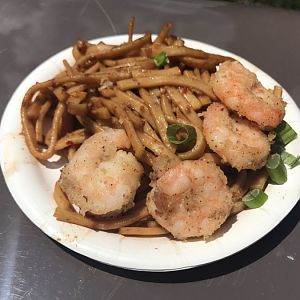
(190, 131)
(238, 141)
(191, 199)
(101, 178)
(240, 90)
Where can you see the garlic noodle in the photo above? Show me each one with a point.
(123, 86)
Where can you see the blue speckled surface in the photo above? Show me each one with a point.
(32, 266)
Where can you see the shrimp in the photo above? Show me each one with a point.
(100, 178)
(191, 199)
(240, 90)
(238, 141)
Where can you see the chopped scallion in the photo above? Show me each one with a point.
(289, 159)
(277, 147)
(276, 169)
(161, 59)
(285, 133)
(181, 134)
(255, 198)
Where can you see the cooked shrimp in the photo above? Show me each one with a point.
(100, 178)
(240, 90)
(191, 199)
(238, 141)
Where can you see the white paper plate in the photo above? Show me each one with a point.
(31, 185)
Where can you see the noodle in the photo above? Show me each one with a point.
(160, 121)
(117, 51)
(156, 81)
(166, 28)
(28, 129)
(130, 28)
(184, 106)
(76, 137)
(39, 123)
(121, 87)
(143, 231)
(133, 215)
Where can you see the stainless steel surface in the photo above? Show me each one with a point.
(32, 266)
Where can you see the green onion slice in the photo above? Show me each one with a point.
(161, 59)
(289, 159)
(285, 133)
(255, 198)
(181, 134)
(276, 169)
(277, 147)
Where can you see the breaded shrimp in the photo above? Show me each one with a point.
(240, 90)
(191, 199)
(238, 141)
(100, 178)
